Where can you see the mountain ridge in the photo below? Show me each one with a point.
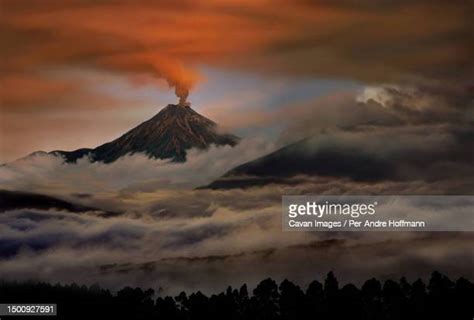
(302, 158)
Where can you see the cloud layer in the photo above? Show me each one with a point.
(172, 236)
(375, 42)
(212, 239)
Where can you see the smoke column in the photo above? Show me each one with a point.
(182, 93)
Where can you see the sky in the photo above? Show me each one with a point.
(80, 73)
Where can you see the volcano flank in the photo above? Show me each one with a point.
(168, 135)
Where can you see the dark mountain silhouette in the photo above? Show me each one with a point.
(168, 135)
(303, 158)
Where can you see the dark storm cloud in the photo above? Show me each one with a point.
(384, 106)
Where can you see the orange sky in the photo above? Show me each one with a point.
(392, 41)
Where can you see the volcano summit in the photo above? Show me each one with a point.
(168, 135)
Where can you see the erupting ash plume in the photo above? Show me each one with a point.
(179, 77)
(182, 93)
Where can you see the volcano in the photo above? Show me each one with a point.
(168, 135)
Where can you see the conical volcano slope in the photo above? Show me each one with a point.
(168, 135)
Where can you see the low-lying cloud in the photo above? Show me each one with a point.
(46, 173)
(230, 246)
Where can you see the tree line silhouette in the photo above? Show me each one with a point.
(441, 298)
